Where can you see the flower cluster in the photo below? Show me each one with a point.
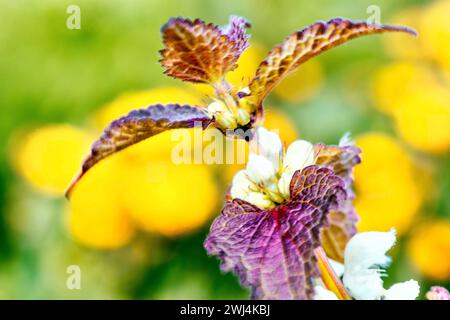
(265, 181)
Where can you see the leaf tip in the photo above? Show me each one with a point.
(73, 183)
(400, 28)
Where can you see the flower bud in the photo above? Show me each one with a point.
(243, 117)
(260, 200)
(217, 107)
(273, 192)
(226, 120)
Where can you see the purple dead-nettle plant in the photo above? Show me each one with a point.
(291, 208)
(278, 209)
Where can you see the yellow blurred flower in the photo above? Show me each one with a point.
(423, 119)
(406, 48)
(388, 194)
(141, 187)
(429, 249)
(161, 146)
(49, 157)
(435, 31)
(395, 82)
(297, 87)
(247, 65)
(277, 120)
(97, 218)
(141, 99)
(169, 199)
(301, 84)
(416, 96)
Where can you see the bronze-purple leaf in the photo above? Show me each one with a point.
(343, 219)
(141, 124)
(271, 251)
(302, 45)
(201, 52)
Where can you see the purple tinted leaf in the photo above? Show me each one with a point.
(271, 251)
(342, 160)
(201, 52)
(139, 125)
(305, 44)
(236, 31)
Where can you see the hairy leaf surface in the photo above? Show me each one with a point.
(271, 251)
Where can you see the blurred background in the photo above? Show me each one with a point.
(136, 225)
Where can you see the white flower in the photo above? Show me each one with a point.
(263, 182)
(320, 293)
(300, 154)
(363, 256)
(222, 115)
(243, 188)
(259, 168)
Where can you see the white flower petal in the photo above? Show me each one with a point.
(320, 293)
(237, 192)
(300, 154)
(363, 252)
(241, 185)
(259, 168)
(366, 249)
(284, 183)
(364, 284)
(346, 140)
(408, 290)
(268, 144)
